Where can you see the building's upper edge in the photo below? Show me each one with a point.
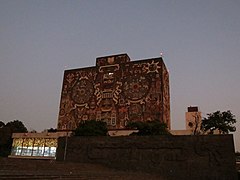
(116, 59)
(40, 135)
(112, 59)
(192, 109)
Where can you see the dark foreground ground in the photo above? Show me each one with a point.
(238, 169)
(46, 169)
(51, 169)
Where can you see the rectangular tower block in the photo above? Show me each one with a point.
(115, 91)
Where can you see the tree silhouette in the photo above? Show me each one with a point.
(222, 121)
(6, 131)
(51, 130)
(2, 124)
(91, 128)
(149, 128)
(16, 126)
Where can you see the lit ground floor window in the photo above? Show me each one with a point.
(36, 147)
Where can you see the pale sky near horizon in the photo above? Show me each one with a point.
(39, 39)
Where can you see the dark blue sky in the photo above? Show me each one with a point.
(39, 39)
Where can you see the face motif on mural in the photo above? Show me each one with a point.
(82, 91)
(136, 87)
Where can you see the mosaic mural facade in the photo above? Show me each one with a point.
(116, 91)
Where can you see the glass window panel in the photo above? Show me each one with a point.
(18, 151)
(24, 151)
(17, 142)
(35, 151)
(14, 151)
(40, 151)
(30, 149)
(51, 142)
(17, 146)
(47, 151)
(53, 151)
(39, 142)
(30, 142)
(25, 142)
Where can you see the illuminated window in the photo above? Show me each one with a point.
(40, 151)
(46, 151)
(36, 147)
(35, 151)
(52, 151)
(18, 150)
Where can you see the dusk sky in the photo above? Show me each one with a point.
(39, 39)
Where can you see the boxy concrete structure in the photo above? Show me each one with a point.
(115, 91)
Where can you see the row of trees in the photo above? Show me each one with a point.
(99, 128)
(221, 121)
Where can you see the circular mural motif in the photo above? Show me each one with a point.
(136, 87)
(82, 91)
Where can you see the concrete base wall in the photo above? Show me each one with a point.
(171, 157)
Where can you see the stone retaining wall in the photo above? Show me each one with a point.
(171, 157)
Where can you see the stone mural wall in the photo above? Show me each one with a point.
(116, 91)
(171, 157)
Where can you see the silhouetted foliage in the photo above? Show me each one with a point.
(222, 121)
(149, 128)
(2, 124)
(32, 131)
(237, 153)
(91, 128)
(6, 131)
(52, 130)
(16, 126)
(237, 156)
